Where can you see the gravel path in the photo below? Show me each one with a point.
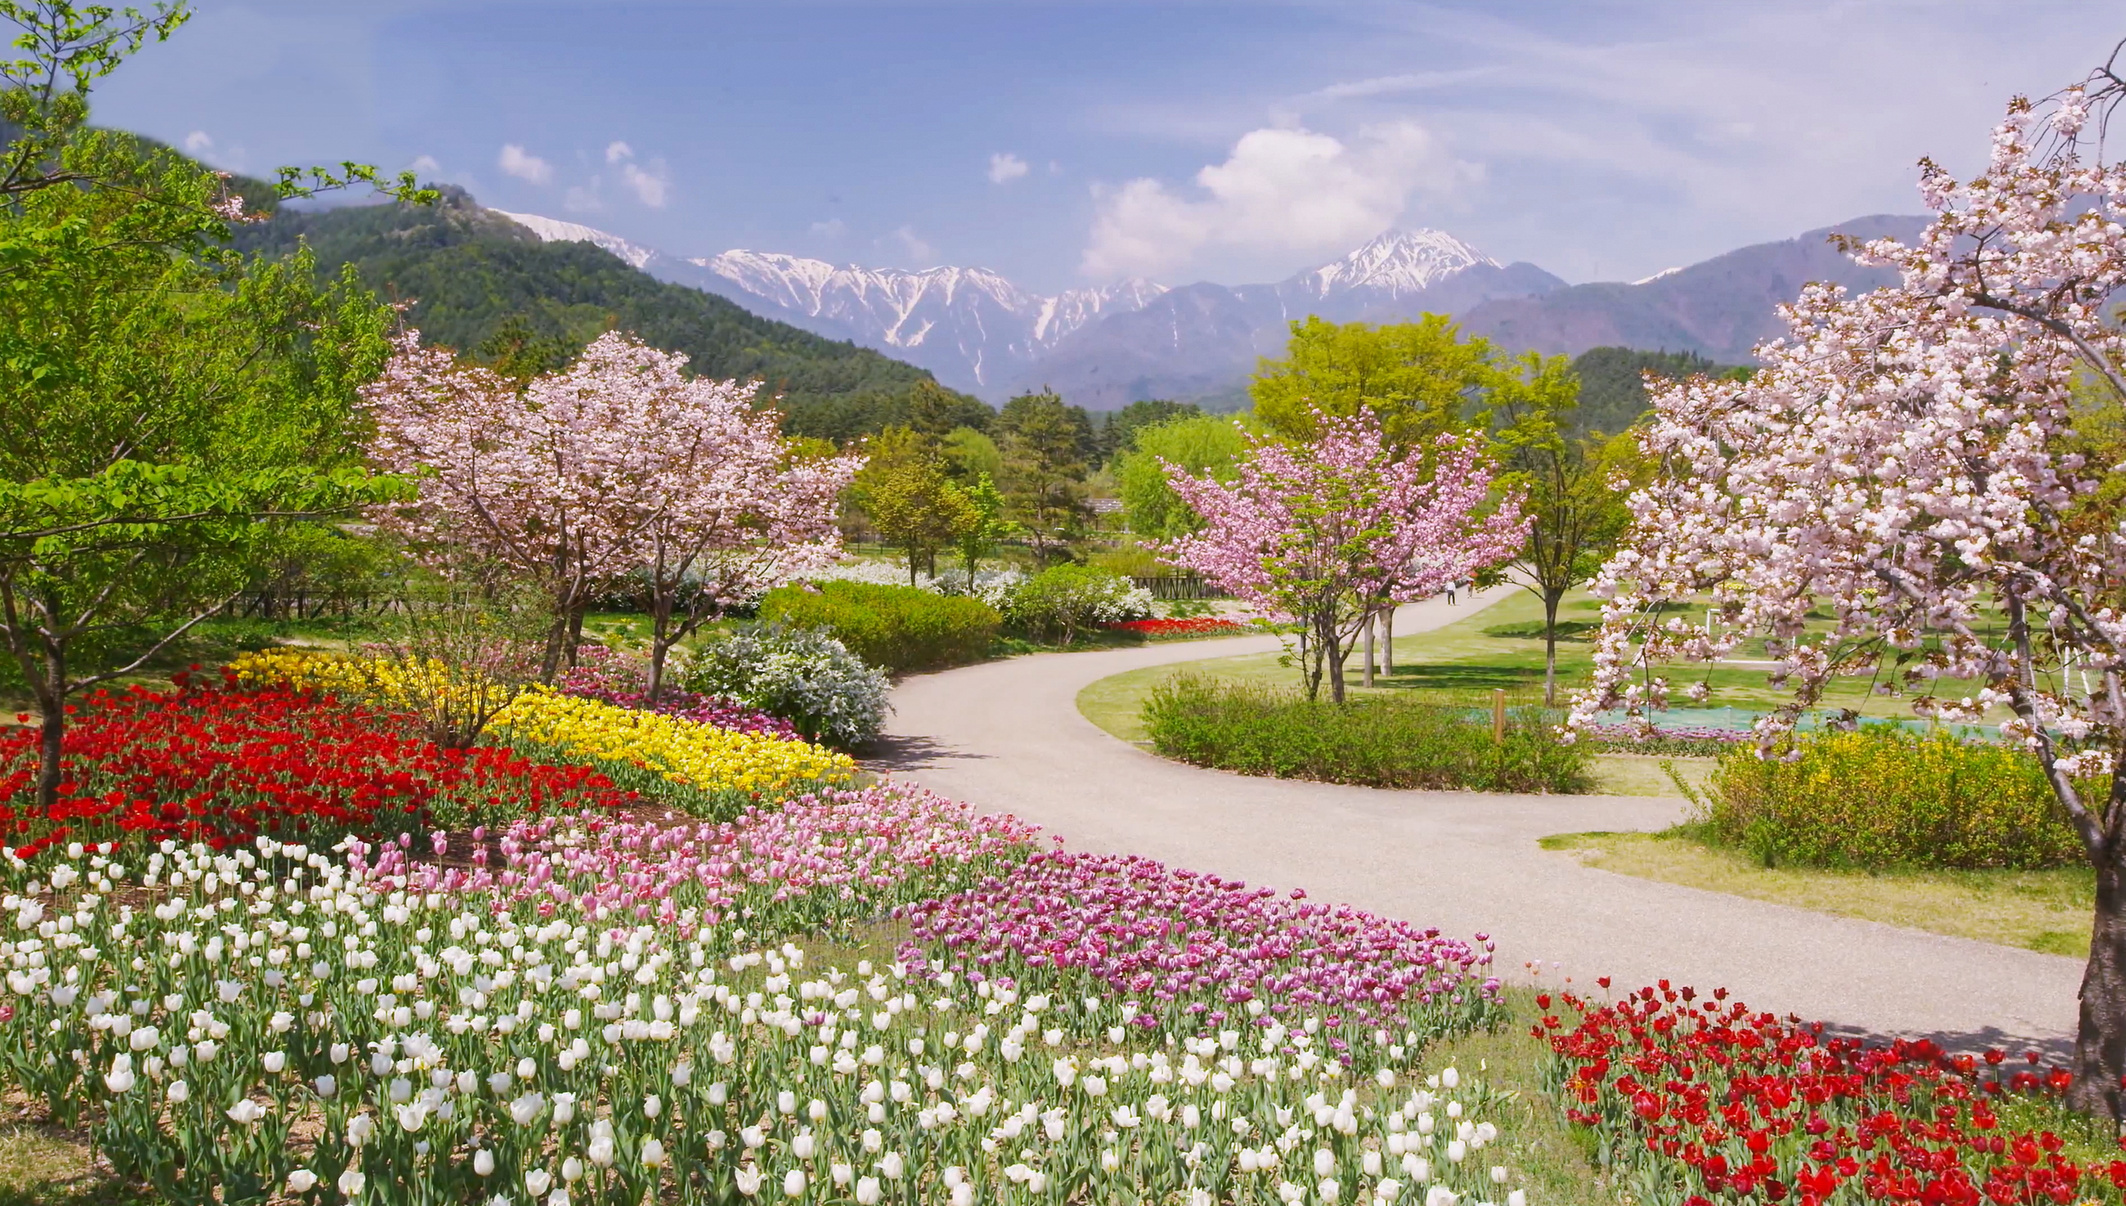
(1007, 735)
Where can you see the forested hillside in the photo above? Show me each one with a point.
(478, 282)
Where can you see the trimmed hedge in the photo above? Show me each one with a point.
(1883, 796)
(1373, 741)
(896, 628)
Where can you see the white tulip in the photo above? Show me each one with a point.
(483, 1163)
(352, 1181)
(1450, 1077)
(803, 1146)
(1370, 1162)
(892, 1166)
(121, 1079)
(537, 1181)
(1388, 1188)
(1324, 1162)
(793, 1183)
(786, 1102)
(1518, 1197)
(963, 1194)
(327, 1084)
(246, 1112)
(1290, 1194)
(1457, 1151)
(652, 1106)
(274, 1061)
(868, 1192)
(525, 1110)
(571, 1170)
(1440, 1195)
(748, 1178)
(653, 1153)
(301, 1181)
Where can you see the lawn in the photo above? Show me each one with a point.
(2046, 911)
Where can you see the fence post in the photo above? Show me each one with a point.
(1498, 715)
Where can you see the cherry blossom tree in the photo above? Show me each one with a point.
(732, 511)
(614, 469)
(1916, 460)
(1320, 533)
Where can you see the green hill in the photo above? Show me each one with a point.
(483, 284)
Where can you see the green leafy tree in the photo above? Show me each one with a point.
(1416, 378)
(911, 502)
(170, 407)
(1045, 448)
(990, 527)
(971, 455)
(1201, 444)
(1119, 428)
(935, 412)
(1573, 487)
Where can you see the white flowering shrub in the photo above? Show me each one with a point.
(802, 675)
(1066, 599)
(991, 586)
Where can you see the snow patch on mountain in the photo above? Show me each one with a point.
(553, 230)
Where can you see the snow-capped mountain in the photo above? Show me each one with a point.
(977, 331)
(1397, 263)
(970, 326)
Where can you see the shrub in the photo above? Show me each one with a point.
(1373, 742)
(894, 627)
(617, 679)
(802, 675)
(1883, 796)
(1061, 601)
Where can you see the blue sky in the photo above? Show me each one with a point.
(1061, 143)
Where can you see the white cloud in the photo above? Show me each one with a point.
(920, 253)
(198, 143)
(523, 165)
(425, 165)
(1282, 194)
(832, 228)
(651, 187)
(583, 198)
(615, 151)
(1005, 167)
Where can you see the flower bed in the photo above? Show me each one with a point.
(1190, 627)
(352, 1033)
(223, 766)
(1690, 741)
(1189, 948)
(592, 679)
(1696, 1100)
(704, 769)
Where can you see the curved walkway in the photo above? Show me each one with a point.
(1008, 736)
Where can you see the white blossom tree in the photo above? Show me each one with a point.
(1915, 461)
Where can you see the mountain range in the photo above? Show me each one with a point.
(1105, 347)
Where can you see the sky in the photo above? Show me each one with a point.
(1065, 143)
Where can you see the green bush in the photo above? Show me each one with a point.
(1066, 599)
(1883, 796)
(1374, 741)
(893, 627)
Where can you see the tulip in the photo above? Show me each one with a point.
(571, 1170)
(892, 1166)
(246, 1112)
(537, 1181)
(868, 1192)
(121, 1078)
(748, 1178)
(652, 1153)
(302, 1180)
(483, 1163)
(793, 1183)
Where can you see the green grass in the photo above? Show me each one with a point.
(2045, 911)
(45, 1166)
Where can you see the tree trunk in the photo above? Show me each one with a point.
(2100, 1040)
(660, 643)
(1551, 599)
(51, 734)
(1387, 639)
(1366, 679)
(1333, 650)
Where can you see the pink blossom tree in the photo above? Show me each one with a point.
(1915, 460)
(1321, 533)
(614, 469)
(729, 511)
